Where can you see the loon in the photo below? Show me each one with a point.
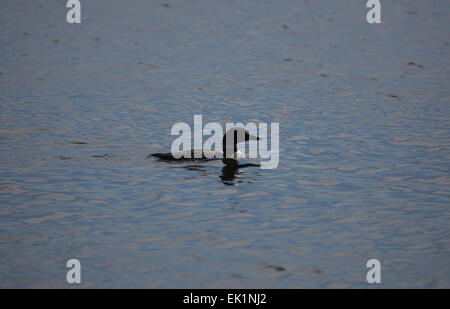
(234, 135)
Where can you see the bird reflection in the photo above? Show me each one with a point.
(230, 170)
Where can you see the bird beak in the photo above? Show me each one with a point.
(253, 138)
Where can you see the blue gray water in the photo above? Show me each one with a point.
(364, 116)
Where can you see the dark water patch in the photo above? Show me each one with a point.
(77, 143)
(194, 167)
(317, 271)
(276, 267)
(60, 157)
(415, 64)
(390, 95)
(293, 60)
(105, 156)
(148, 65)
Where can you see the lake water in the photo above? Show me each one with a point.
(364, 114)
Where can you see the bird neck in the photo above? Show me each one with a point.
(224, 146)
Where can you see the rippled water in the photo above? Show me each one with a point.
(364, 116)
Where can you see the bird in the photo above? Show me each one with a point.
(229, 155)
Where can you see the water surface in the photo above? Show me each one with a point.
(364, 116)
